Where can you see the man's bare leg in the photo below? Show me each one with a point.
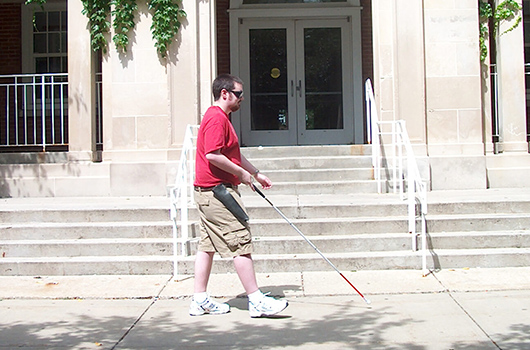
(201, 303)
(203, 267)
(245, 270)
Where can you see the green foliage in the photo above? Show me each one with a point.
(98, 13)
(507, 10)
(37, 2)
(504, 11)
(166, 21)
(123, 22)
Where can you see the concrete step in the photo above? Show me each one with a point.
(479, 240)
(83, 215)
(477, 222)
(87, 247)
(84, 230)
(329, 226)
(323, 187)
(267, 244)
(87, 265)
(323, 162)
(306, 151)
(305, 175)
(457, 258)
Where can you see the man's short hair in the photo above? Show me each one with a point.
(224, 81)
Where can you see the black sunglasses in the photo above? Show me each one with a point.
(238, 94)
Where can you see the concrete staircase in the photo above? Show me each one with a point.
(327, 191)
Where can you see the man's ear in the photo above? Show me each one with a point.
(224, 93)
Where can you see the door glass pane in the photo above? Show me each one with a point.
(54, 21)
(41, 65)
(323, 78)
(55, 65)
(40, 43)
(39, 22)
(54, 43)
(268, 79)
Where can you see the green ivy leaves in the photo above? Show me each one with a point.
(166, 21)
(123, 23)
(506, 10)
(97, 12)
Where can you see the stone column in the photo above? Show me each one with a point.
(399, 70)
(81, 86)
(512, 91)
(453, 85)
(192, 68)
(149, 100)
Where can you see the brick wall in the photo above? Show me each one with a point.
(366, 39)
(10, 39)
(223, 37)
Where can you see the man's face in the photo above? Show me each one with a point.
(235, 101)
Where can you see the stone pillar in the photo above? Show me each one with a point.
(136, 97)
(453, 100)
(81, 86)
(399, 73)
(410, 69)
(192, 74)
(148, 100)
(399, 70)
(512, 91)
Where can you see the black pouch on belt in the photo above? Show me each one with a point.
(221, 193)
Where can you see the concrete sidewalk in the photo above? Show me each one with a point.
(449, 309)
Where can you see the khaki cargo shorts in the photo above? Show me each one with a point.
(221, 231)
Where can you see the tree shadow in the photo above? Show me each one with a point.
(165, 324)
(352, 329)
(517, 339)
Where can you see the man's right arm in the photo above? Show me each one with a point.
(216, 158)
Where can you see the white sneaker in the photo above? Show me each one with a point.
(208, 307)
(267, 306)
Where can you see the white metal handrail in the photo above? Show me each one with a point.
(403, 179)
(181, 196)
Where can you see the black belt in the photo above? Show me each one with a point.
(206, 189)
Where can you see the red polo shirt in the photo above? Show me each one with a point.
(216, 133)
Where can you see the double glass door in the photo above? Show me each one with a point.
(298, 82)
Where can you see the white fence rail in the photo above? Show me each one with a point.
(34, 110)
(181, 196)
(391, 151)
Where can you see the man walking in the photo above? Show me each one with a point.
(219, 162)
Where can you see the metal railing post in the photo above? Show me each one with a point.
(416, 187)
(181, 197)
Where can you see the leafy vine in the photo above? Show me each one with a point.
(166, 23)
(97, 12)
(123, 22)
(504, 11)
(166, 16)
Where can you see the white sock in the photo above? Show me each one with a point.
(255, 297)
(200, 297)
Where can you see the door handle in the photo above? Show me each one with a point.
(299, 88)
(292, 88)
